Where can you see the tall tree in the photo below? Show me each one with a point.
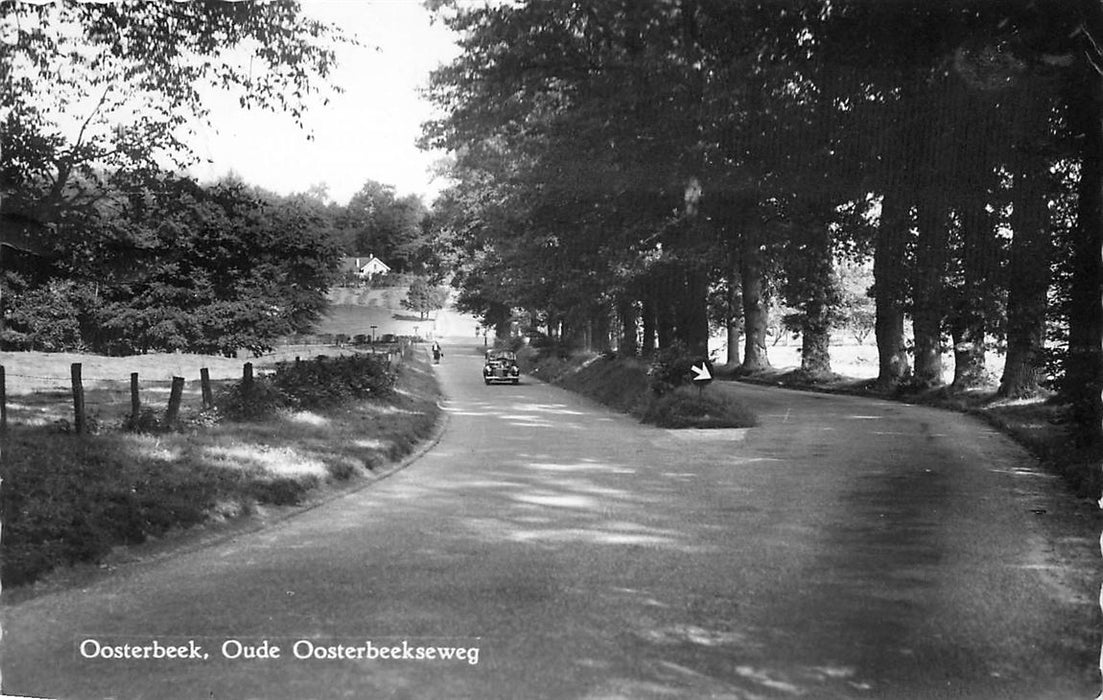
(1031, 253)
(1083, 381)
(125, 81)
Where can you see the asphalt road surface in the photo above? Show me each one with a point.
(846, 548)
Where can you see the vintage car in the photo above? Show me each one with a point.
(501, 366)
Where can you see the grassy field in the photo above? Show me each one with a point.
(353, 310)
(39, 384)
(856, 361)
(72, 499)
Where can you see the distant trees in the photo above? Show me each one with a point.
(378, 222)
(623, 167)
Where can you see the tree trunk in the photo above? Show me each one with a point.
(626, 310)
(815, 348)
(647, 341)
(928, 296)
(970, 320)
(600, 329)
(690, 274)
(1028, 280)
(693, 321)
(755, 315)
(664, 309)
(1083, 383)
(890, 284)
(820, 292)
(735, 316)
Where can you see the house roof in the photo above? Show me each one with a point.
(358, 264)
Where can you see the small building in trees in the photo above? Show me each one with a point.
(363, 269)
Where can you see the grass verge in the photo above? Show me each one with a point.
(624, 384)
(70, 499)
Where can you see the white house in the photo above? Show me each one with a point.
(364, 268)
(374, 266)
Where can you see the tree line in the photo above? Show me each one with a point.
(629, 173)
(105, 245)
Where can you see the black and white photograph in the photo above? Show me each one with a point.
(542, 349)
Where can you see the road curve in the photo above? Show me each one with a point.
(846, 548)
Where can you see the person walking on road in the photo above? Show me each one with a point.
(437, 353)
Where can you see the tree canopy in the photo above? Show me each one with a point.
(96, 103)
(622, 166)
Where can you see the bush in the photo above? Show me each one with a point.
(261, 399)
(686, 408)
(47, 318)
(671, 368)
(148, 420)
(322, 383)
(325, 382)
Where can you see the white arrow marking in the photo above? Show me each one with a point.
(702, 373)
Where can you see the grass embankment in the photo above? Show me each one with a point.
(69, 498)
(1037, 424)
(624, 384)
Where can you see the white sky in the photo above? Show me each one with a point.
(369, 132)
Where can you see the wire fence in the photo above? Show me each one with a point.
(106, 396)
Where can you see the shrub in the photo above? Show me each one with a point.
(325, 382)
(148, 420)
(258, 400)
(47, 318)
(686, 408)
(670, 369)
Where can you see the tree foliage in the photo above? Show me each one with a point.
(424, 298)
(126, 84)
(619, 165)
(378, 222)
(201, 269)
(107, 249)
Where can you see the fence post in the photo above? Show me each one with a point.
(247, 376)
(3, 401)
(175, 396)
(135, 400)
(205, 383)
(78, 399)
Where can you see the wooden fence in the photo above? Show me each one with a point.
(176, 385)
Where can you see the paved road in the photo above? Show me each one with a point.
(846, 548)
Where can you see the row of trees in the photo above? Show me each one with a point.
(628, 171)
(164, 263)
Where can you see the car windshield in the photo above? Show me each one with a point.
(500, 355)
